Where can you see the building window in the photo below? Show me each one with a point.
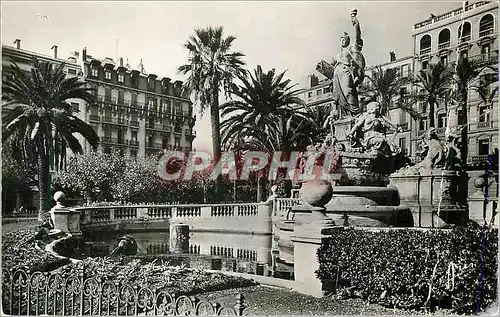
(309, 94)
(107, 94)
(326, 90)
(121, 78)
(75, 107)
(178, 109)
(425, 64)
(444, 39)
(121, 96)
(94, 72)
(484, 114)
(464, 54)
(485, 50)
(71, 71)
(402, 144)
(165, 141)
(486, 25)
(151, 139)
(422, 125)
(151, 83)
(444, 59)
(484, 147)
(107, 75)
(318, 92)
(464, 34)
(425, 44)
(177, 143)
(441, 120)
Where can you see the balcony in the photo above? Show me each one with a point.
(465, 38)
(443, 45)
(155, 145)
(425, 51)
(111, 140)
(94, 117)
(440, 130)
(478, 160)
(486, 58)
(484, 125)
(484, 33)
(450, 14)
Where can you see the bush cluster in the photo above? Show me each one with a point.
(413, 269)
(100, 177)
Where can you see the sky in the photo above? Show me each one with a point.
(285, 35)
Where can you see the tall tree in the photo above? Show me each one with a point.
(434, 84)
(41, 122)
(212, 66)
(385, 87)
(264, 111)
(466, 77)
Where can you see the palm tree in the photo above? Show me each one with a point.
(434, 84)
(385, 87)
(211, 66)
(264, 101)
(264, 113)
(465, 79)
(41, 122)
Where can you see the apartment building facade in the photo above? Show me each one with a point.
(136, 113)
(470, 31)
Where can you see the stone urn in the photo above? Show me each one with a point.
(317, 193)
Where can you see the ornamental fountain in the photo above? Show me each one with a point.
(368, 183)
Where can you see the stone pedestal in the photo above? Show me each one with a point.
(435, 197)
(308, 235)
(179, 238)
(66, 220)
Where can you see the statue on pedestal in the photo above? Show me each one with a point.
(347, 71)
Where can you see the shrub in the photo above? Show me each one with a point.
(413, 268)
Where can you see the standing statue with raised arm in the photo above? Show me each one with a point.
(347, 71)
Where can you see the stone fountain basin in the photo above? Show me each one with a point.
(364, 195)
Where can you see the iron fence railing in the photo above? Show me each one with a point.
(44, 293)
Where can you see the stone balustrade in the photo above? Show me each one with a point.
(281, 206)
(249, 218)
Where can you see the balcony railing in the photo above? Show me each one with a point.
(134, 123)
(94, 117)
(484, 125)
(425, 51)
(154, 145)
(443, 45)
(477, 160)
(133, 143)
(465, 38)
(491, 57)
(485, 32)
(450, 14)
(440, 130)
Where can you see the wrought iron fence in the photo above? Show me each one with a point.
(43, 293)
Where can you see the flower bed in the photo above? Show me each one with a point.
(414, 269)
(21, 251)
(177, 280)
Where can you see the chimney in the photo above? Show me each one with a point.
(18, 43)
(393, 56)
(55, 51)
(314, 81)
(121, 62)
(84, 54)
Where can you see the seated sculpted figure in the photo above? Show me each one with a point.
(370, 131)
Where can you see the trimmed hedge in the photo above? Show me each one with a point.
(413, 269)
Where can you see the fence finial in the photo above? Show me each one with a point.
(240, 304)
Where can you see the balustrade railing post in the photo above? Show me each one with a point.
(111, 214)
(142, 212)
(174, 212)
(206, 211)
